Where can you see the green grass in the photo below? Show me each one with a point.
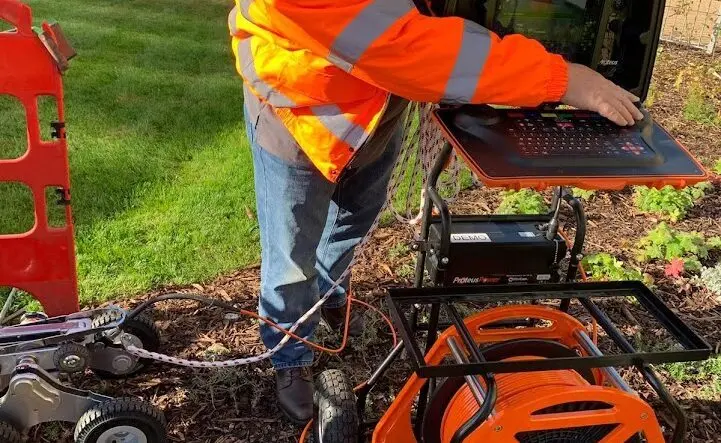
(161, 170)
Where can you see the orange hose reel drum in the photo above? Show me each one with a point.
(526, 402)
(553, 406)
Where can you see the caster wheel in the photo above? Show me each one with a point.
(8, 433)
(141, 331)
(71, 358)
(123, 420)
(336, 417)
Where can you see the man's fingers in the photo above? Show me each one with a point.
(630, 101)
(632, 97)
(634, 112)
(637, 114)
(610, 113)
(625, 113)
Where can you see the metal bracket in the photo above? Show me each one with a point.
(419, 245)
(54, 40)
(112, 359)
(35, 397)
(63, 196)
(58, 130)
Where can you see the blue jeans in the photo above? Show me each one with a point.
(308, 230)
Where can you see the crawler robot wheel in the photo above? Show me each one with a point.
(336, 417)
(125, 420)
(8, 433)
(71, 358)
(142, 332)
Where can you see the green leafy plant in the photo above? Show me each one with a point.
(708, 371)
(406, 270)
(605, 267)
(717, 166)
(665, 243)
(583, 193)
(525, 201)
(669, 202)
(398, 250)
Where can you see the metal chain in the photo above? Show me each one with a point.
(421, 144)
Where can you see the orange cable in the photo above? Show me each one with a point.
(304, 434)
(387, 320)
(301, 339)
(318, 347)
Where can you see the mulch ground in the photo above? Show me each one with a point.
(232, 406)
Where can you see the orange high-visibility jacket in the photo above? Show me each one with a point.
(327, 67)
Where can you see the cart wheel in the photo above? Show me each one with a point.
(122, 420)
(142, 330)
(8, 433)
(336, 417)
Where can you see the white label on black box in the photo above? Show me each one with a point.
(527, 234)
(471, 237)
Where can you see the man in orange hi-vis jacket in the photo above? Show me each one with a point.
(325, 85)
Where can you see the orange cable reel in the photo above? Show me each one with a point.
(531, 407)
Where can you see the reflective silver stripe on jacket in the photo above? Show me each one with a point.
(247, 68)
(333, 119)
(471, 58)
(233, 20)
(329, 115)
(364, 29)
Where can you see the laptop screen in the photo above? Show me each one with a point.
(566, 27)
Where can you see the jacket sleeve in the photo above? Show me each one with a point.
(388, 43)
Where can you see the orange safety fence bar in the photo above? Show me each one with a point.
(42, 260)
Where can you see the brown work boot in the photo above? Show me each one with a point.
(295, 393)
(335, 319)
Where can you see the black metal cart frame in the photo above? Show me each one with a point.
(470, 363)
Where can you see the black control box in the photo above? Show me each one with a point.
(494, 250)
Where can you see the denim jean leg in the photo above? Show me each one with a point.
(356, 202)
(292, 204)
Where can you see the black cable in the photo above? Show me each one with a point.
(178, 296)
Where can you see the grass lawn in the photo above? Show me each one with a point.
(161, 171)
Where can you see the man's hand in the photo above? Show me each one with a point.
(589, 90)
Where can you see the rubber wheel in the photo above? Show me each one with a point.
(8, 433)
(143, 327)
(336, 418)
(126, 420)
